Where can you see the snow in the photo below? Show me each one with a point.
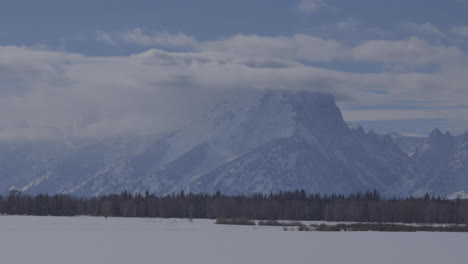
(35, 182)
(81, 240)
(458, 195)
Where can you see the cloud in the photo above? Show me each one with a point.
(71, 95)
(140, 37)
(402, 114)
(310, 6)
(460, 30)
(414, 51)
(352, 30)
(31, 64)
(297, 47)
(49, 94)
(423, 29)
(104, 37)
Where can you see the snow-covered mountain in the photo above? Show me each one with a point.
(256, 142)
(441, 164)
(320, 154)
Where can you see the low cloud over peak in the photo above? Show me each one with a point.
(48, 94)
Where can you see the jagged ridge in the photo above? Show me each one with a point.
(259, 142)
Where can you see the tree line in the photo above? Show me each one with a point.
(291, 205)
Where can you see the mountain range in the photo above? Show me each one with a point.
(259, 142)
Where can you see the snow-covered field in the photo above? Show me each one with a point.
(83, 240)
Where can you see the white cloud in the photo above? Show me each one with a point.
(140, 37)
(423, 29)
(27, 63)
(414, 51)
(310, 6)
(352, 30)
(461, 30)
(402, 114)
(297, 47)
(104, 37)
(49, 94)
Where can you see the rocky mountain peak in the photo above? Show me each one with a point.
(436, 133)
(437, 137)
(357, 129)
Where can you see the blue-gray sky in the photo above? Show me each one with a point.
(87, 66)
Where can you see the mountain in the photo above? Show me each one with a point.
(441, 164)
(277, 141)
(320, 149)
(62, 165)
(408, 144)
(255, 142)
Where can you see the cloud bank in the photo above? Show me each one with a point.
(140, 37)
(50, 94)
(461, 30)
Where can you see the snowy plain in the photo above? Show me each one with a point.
(85, 240)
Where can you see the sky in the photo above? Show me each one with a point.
(95, 68)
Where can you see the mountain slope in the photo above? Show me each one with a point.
(282, 140)
(441, 164)
(322, 150)
(255, 142)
